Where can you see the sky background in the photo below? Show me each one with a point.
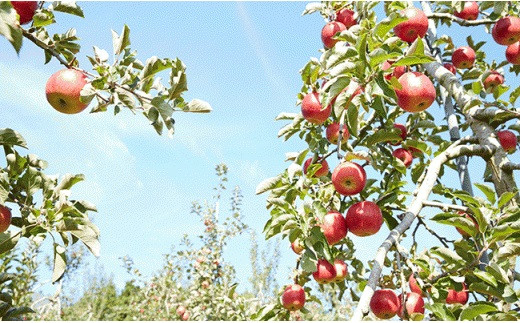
(241, 57)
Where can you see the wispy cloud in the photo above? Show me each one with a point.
(259, 48)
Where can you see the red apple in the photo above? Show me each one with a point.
(334, 227)
(493, 80)
(414, 304)
(346, 17)
(325, 272)
(25, 9)
(469, 12)
(415, 26)
(312, 110)
(513, 53)
(185, 316)
(297, 247)
(63, 91)
(341, 270)
(332, 133)
(404, 155)
(329, 30)
(364, 218)
(450, 67)
(323, 171)
(5, 218)
(463, 57)
(458, 297)
(181, 310)
(403, 133)
(417, 92)
(349, 178)
(397, 72)
(507, 140)
(414, 287)
(293, 297)
(384, 304)
(506, 31)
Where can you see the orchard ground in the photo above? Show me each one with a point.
(244, 59)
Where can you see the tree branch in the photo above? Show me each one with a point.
(455, 150)
(462, 22)
(444, 206)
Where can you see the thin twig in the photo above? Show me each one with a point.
(462, 22)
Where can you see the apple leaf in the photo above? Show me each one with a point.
(447, 254)
(476, 309)
(43, 18)
(440, 311)
(508, 251)
(502, 231)
(268, 184)
(8, 241)
(11, 138)
(383, 136)
(505, 198)
(121, 42)
(388, 23)
(486, 277)
(488, 191)
(60, 263)
(69, 7)
(198, 106)
(9, 26)
(413, 60)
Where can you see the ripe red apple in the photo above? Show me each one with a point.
(506, 31)
(329, 30)
(63, 91)
(403, 134)
(349, 178)
(469, 12)
(450, 67)
(293, 297)
(397, 72)
(513, 53)
(297, 247)
(312, 110)
(5, 218)
(404, 155)
(334, 227)
(414, 287)
(364, 218)
(332, 133)
(346, 17)
(507, 140)
(325, 273)
(185, 316)
(181, 310)
(25, 9)
(323, 171)
(493, 80)
(458, 297)
(463, 57)
(414, 304)
(415, 26)
(385, 304)
(341, 270)
(417, 92)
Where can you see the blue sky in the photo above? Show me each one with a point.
(241, 57)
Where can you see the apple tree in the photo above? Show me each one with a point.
(42, 203)
(377, 157)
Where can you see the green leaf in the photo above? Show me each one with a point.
(9, 26)
(382, 136)
(497, 272)
(121, 42)
(388, 23)
(440, 311)
(43, 18)
(413, 60)
(267, 184)
(502, 231)
(14, 313)
(60, 263)
(505, 198)
(447, 254)
(487, 277)
(309, 261)
(154, 65)
(458, 221)
(11, 138)
(69, 7)
(488, 191)
(352, 117)
(198, 106)
(68, 181)
(8, 241)
(476, 309)
(508, 250)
